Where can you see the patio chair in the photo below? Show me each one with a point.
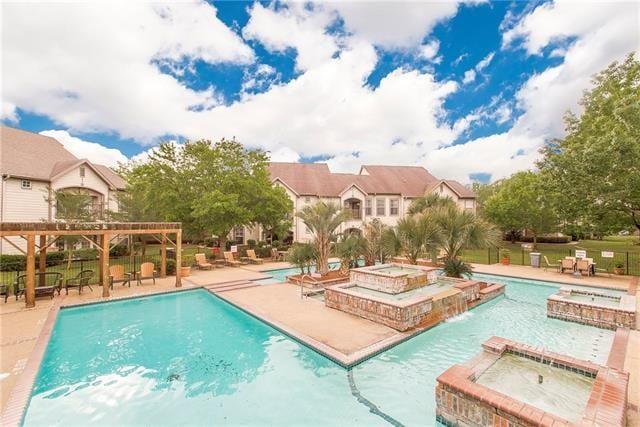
(229, 260)
(202, 263)
(147, 271)
(117, 274)
(547, 264)
(81, 280)
(567, 264)
(275, 255)
(52, 282)
(252, 258)
(583, 265)
(4, 291)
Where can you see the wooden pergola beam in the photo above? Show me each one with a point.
(30, 286)
(14, 245)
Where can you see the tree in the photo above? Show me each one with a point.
(595, 169)
(430, 201)
(301, 255)
(374, 233)
(415, 236)
(209, 187)
(522, 203)
(323, 219)
(349, 249)
(483, 192)
(73, 206)
(459, 230)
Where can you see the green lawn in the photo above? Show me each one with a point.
(626, 250)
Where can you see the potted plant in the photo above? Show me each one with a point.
(505, 256)
(187, 262)
(619, 268)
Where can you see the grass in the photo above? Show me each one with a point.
(626, 251)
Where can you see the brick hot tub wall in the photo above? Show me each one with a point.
(462, 402)
(395, 314)
(593, 314)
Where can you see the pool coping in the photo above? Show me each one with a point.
(585, 285)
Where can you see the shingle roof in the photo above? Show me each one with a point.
(316, 179)
(461, 190)
(30, 155)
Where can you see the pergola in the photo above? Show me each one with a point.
(105, 231)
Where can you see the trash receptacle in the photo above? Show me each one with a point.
(535, 259)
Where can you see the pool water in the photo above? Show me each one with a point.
(190, 358)
(281, 274)
(438, 286)
(595, 299)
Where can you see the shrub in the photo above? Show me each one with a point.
(547, 239)
(263, 252)
(505, 253)
(251, 243)
(171, 266)
(89, 253)
(118, 251)
(12, 262)
(457, 268)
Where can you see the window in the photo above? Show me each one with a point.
(468, 204)
(238, 235)
(81, 171)
(307, 230)
(393, 207)
(381, 206)
(26, 184)
(368, 207)
(307, 199)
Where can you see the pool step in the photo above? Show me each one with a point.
(232, 286)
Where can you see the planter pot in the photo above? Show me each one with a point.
(505, 261)
(185, 271)
(618, 271)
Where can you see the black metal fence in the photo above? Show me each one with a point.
(628, 262)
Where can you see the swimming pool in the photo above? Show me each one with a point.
(159, 360)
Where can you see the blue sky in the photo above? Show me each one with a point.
(469, 90)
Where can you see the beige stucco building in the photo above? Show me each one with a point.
(34, 166)
(382, 192)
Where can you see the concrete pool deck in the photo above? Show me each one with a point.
(20, 327)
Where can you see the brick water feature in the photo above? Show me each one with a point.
(407, 296)
(513, 384)
(592, 307)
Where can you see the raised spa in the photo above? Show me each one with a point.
(595, 308)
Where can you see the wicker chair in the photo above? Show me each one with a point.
(52, 282)
(81, 280)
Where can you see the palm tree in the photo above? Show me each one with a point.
(463, 230)
(374, 232)
(414, 235)
(350, 249)
(301, 254)
(430, 201)
(323, 219)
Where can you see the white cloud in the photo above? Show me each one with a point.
(89, 66)
(469, 76)
(502, 114)
(92, 151)
(399, 24)
(284, 154)
(429, 50)
(484, 62)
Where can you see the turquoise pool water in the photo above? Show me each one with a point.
(281, 274)
(191, 359)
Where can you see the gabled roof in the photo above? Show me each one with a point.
(315, 179)
(462, 191)
(30, 155)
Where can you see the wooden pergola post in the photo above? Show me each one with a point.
(104, 264)
(30, 291)
(43, 259)
(178, 258)
(163, 255)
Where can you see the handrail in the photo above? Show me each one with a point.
(302, 283)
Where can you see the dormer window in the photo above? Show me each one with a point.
(25, 184)
(82, 171)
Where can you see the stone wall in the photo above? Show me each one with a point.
(396, 315)
(590, 314)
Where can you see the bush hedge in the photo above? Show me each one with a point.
(547, 239)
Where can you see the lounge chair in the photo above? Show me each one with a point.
(52, 282)
(117, 274)
(567, 264)
(252, 258)
(547, 264)
(202, 263)
(81, 280)
(583, 265)
(229, 260)
(147, 271)
(275, 255)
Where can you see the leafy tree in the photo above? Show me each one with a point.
(522, 203)
(459, 230)
(209, 187)
(483, 192)
(595, 170)
(73, 206)
(323, 219)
